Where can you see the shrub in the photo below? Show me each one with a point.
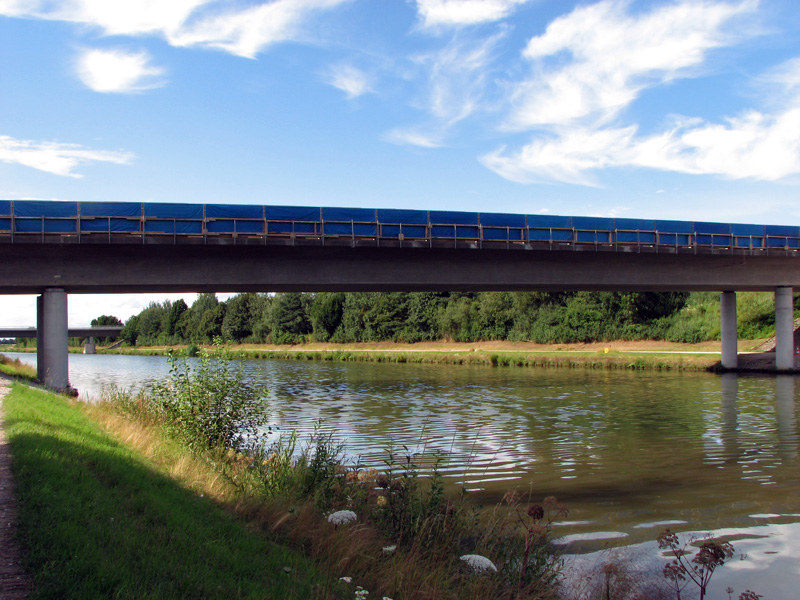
(211, 403)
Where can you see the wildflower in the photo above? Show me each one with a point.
(390, 549)
(351, 477)
(381, 501)
(368, 476)
(479, 563)
(536, 512)
(342, 517)
(346, 579)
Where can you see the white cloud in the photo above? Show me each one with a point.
(56, 157)
(594, 62)
(241, 31)
(247, 32)
(115, 71)
(118, 17)
(457, 77)
(352, 81)
(753, 146)
(411, 137)
(457, 81)
(456, 13)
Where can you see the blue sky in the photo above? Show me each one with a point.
(662, 109)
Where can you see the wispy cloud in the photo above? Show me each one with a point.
(120, 17)
(56, 157)
(351, 80)
(752, 146)
(413, 137)
(458, 13)
(592, 64)
(248, 31)
(117, 71)
(456, 78)
(197, 23)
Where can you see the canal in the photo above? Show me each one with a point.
(630, 453)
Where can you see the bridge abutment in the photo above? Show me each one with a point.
(52, 334)
(728, 330)
(784, 328)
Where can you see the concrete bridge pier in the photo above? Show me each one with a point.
(784, 328)
(89, 347)
(728, 330)
(52, 350)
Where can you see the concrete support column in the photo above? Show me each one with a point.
(728, 330)
(54, 336)
(39, 336)
(89, 347)
(784, 329)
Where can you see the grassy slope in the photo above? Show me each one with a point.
(98, 520)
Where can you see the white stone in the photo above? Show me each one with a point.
(479, 563)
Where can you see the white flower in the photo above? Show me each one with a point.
(479, 563)
(389, 549)
(346, 579)
(342, 517)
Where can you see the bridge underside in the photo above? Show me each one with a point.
(54, 271)
(29, 269)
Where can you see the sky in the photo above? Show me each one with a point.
(677, 109)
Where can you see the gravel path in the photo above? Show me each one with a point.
(14, 583)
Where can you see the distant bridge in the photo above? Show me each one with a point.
(80, 332)
(59, 248)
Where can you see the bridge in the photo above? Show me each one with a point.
(58, 248)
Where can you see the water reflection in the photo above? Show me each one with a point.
(786, 417)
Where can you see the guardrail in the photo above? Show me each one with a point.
(34, 221)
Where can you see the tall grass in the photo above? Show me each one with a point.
(16, 368)
(407, 536)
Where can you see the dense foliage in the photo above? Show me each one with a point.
(464, 317)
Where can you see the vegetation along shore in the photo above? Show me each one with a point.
(670, 331)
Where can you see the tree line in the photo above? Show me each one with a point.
(294, 317)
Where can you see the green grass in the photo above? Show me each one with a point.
(97, 520)
(15, 368)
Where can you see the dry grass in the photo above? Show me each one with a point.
(412, 572)
(193, 473)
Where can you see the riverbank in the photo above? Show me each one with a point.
(650, 355)
(167, 521)
(146, 535)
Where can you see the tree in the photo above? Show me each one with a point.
(130, 332)
(105, 320)
(325, 313)
(172, 317)
(289, 318)
(239, 318)
(210, 325)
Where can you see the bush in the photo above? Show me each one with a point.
(211, 403)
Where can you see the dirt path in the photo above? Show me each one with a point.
(14, 583)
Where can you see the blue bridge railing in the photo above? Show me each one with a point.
(123, 222)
